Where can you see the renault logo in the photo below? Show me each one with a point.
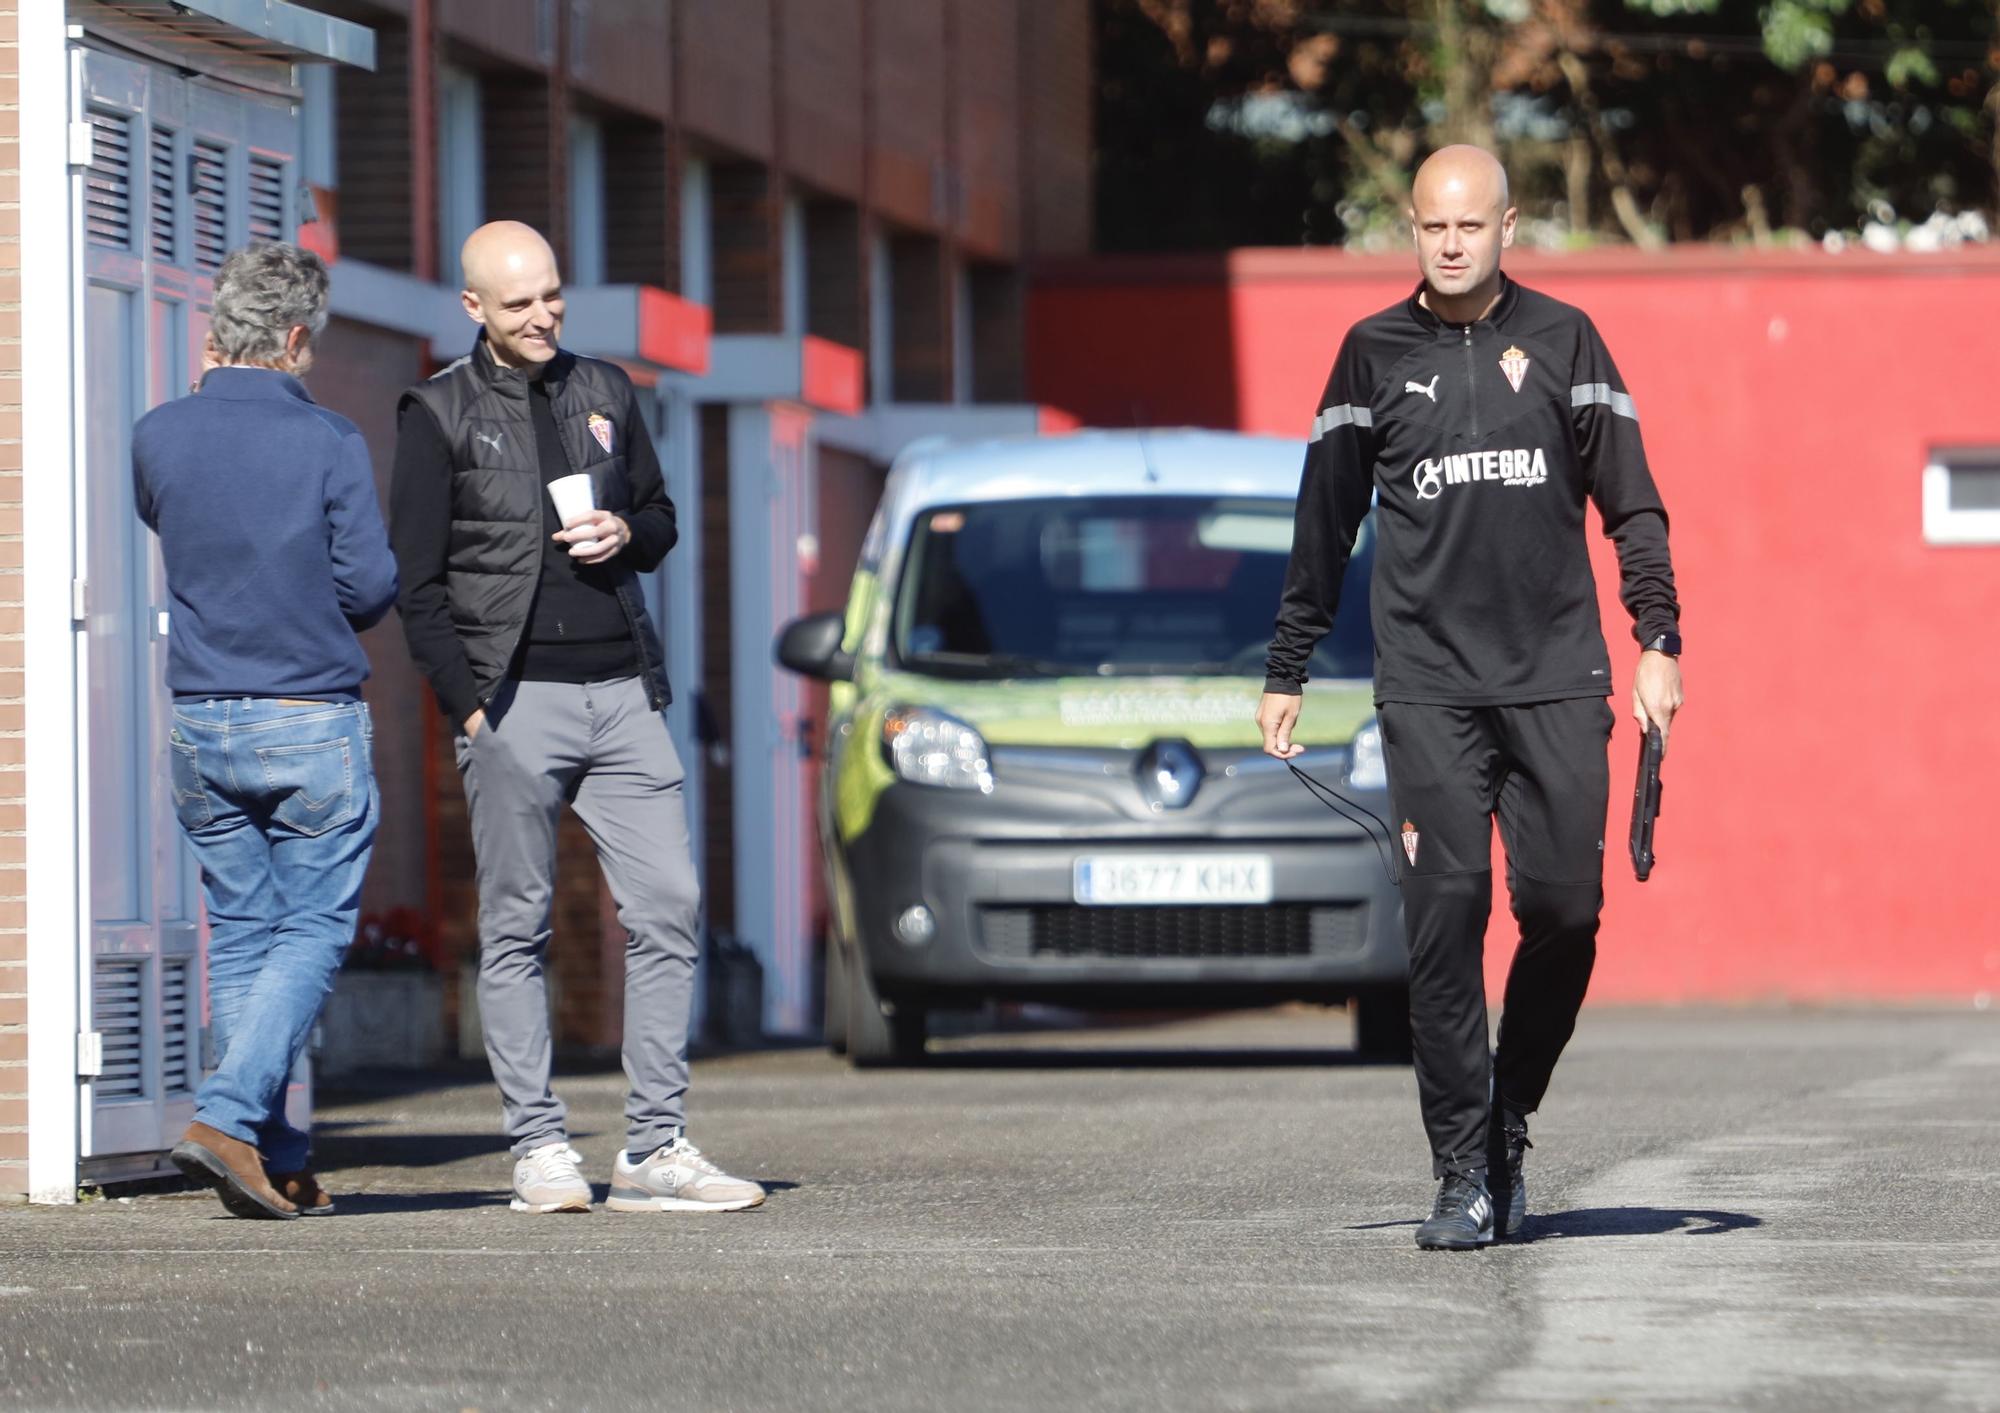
(1169, 774)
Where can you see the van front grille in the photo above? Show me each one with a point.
(1069, 931)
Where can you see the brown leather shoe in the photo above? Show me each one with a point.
(234, 1170)
(303, 1191)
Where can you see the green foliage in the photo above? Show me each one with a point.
(1279, 122)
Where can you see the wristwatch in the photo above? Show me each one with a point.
(1668, 643)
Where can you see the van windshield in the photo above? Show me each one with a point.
(1112, 586)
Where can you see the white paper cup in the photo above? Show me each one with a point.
(573, 498)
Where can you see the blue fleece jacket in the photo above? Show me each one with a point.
(276, 555)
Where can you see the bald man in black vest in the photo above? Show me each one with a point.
(536, 640)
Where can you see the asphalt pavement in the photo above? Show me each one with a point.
(1731, 1209)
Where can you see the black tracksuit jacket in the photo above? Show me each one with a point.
(1478, 445)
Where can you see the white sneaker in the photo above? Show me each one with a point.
(550, 1180)
(677, 1178)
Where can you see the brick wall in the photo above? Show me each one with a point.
(906, 137)
(986, 125)
(618, 52)
(1055, 113)
(820, 108)
(724, 73)
(13, 882)
(521, 32)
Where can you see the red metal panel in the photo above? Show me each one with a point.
(832, 377)
(1828, 795)
(673, 332)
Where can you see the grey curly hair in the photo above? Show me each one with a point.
(262, 293)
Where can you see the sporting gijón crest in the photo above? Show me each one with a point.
(1410, 842)
(1514, 364)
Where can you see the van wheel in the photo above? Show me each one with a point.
(872, 1037)
(1382, 1024)
(833, 1020)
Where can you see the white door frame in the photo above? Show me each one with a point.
(770, 509)
(50, 288)
(675, 602)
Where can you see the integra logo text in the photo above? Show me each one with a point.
(1511, 468)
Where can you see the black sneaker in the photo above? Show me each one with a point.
(1508, 1140)
(1462, 1220)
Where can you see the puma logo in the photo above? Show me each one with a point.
(491, 439)
(1429, 389)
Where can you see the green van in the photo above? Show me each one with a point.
(1043, 778)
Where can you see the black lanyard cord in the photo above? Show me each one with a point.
(1334, 801)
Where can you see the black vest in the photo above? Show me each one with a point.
(495, 558)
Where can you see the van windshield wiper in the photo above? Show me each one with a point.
(994, 665)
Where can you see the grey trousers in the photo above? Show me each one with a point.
(603, 749)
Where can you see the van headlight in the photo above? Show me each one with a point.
(928, 747)
(1366, 768)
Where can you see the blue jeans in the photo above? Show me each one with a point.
(279, 804)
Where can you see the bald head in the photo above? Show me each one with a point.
(512, 287)
(1462, 218)
(1461, 172)
(500, 248)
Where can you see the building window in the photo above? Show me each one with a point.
(1962, 496)
(586, 202)
(792, 267)
(696, 270)
(461, 180)
(881, 322)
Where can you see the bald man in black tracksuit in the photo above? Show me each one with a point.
(1478, 417)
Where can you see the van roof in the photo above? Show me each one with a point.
(1176, 461)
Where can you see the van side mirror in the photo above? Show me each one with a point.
(810, 646)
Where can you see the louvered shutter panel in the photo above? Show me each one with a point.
(163, 219)
(179, 1042)
(208, 193)
(267, 198)
(108, 188)
(118, 1015)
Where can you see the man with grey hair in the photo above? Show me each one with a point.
(276, 557)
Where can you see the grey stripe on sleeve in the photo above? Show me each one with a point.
(1341, 416)
(1583, 394)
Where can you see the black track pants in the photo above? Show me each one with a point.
(1542, 770)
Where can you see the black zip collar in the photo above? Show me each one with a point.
(1510, 295)
(513, 382)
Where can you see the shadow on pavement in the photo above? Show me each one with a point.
(372, 1204)
(1094, 1058)
(1610, 1221)
(389, 1147)
(1634, 1221)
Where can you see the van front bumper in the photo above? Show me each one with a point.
(996, 874)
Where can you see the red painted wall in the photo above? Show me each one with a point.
(1832, 796)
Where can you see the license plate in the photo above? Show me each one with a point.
(1172, 878)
